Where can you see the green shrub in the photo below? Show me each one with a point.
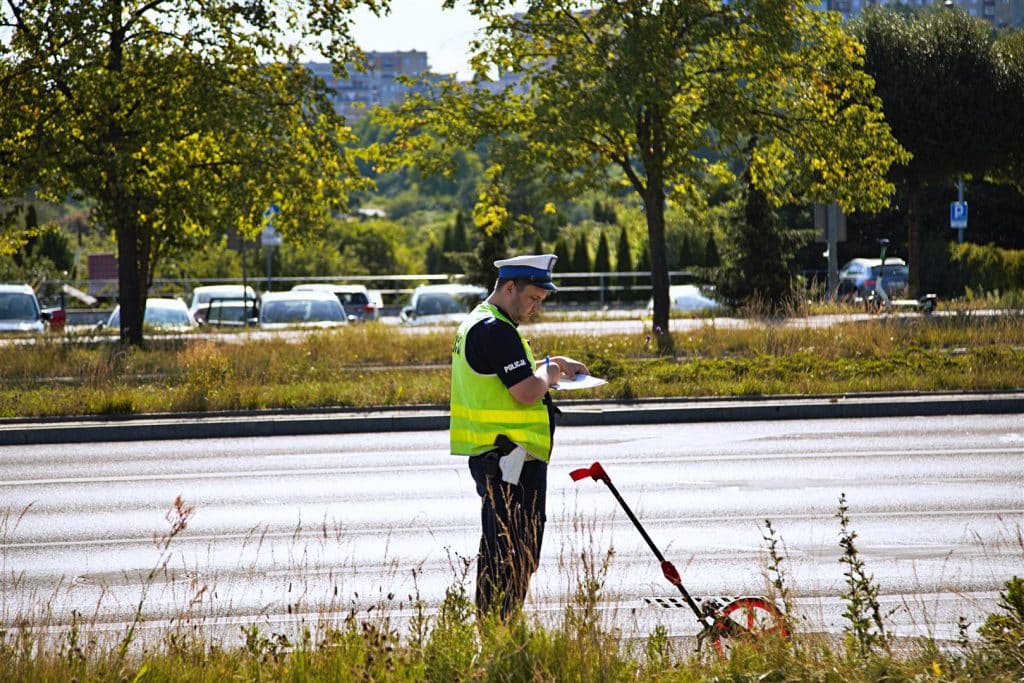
(982, 269)
(1002, 634)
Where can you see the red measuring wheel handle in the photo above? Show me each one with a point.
(595, 472)
(671, 574)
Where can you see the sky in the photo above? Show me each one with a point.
(421, 25)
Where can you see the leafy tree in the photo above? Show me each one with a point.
(217, 261)
(917, 59)
(175, 118)
(1009, 63)
(477, 265)
(54, 246)
(647, 86)
(368, 247)
(31, 230)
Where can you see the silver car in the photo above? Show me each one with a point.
(161, 313)
(311, 308)
(441, 304)
(358, 302)
(859, 277)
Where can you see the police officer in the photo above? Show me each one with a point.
(500, 389)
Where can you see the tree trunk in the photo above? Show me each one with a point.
(650, 136)
(654, 207)
(131, 260)
(132, 295)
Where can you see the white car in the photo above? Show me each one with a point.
(209, 293)
(686, 299)
(441, 304)
(356, 299)
(312, 308)
(19, 310)
(161, 313)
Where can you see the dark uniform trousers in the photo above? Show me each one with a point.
(512, 520)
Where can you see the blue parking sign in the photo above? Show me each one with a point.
(958, 215)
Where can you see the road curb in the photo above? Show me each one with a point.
(432, 418)
(841, 407)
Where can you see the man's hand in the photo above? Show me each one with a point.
(548, 372)
(568, 367)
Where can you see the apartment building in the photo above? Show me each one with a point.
(378, 85)
(999, 13)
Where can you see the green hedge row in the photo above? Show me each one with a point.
(954, 270)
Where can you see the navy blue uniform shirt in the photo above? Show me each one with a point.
(493, 348)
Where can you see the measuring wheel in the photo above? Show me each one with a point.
(722, 618)
(744, 618)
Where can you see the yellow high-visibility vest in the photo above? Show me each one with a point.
(482, 407)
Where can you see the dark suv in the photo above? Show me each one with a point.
(859, 277)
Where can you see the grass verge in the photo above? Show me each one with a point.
(379, 365)
(574, 644)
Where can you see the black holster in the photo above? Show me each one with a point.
(489, 459)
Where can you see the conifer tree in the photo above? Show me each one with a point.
(581, 257)
(562, 252)
(624, 258)
(602, 260)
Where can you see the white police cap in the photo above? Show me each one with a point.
(535, 268)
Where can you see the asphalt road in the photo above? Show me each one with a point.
(295, 528)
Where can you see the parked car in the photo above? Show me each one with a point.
(686, 298)
(355, 299)
(858, 278)
(19, 310)
(310, 308)
(440, 304)
(227, 313)
(162, 313)
(207, 293)
(377, 299)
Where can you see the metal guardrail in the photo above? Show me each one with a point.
(596, 287)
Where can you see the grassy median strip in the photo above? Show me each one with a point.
(380, 365)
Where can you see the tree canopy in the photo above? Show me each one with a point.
(941, 89)
(649, 89)
(175, 119)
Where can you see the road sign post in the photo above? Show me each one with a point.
(958, 218)
(830, 221)
(958, 213)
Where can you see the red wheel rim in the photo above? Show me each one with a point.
(756, 616)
